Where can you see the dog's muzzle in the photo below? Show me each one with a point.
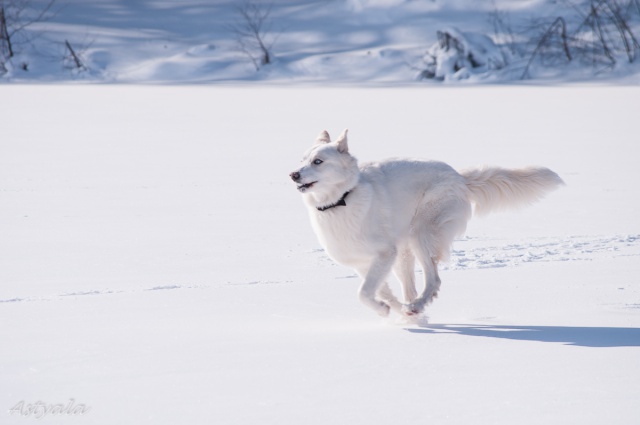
(295, 176)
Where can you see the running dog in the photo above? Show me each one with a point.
(380, 217)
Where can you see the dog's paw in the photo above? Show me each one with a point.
(412, 309)
(383, 309)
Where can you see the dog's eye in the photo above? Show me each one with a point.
(317, 161)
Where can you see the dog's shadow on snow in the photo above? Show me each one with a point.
(568, 335)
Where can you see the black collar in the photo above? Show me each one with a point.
(340, 202)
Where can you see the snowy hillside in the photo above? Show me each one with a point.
(157, 265)
(322, 41)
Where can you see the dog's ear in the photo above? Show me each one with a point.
(343, 147)
(323, 138)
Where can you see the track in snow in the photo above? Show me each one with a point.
(472, 253)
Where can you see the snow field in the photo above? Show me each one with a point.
(157, 265)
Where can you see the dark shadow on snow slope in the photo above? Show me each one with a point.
(569, 335)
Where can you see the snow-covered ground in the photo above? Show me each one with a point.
(374, 42)
(157, 265)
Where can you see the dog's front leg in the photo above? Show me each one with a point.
(385, 295)
(373, 279)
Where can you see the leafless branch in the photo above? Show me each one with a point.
(503, 33)
(74, 57)
(601, 33)
(626, 34)
(253, 33)
(558, 26)
(13, 22)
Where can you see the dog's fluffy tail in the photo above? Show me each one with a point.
(494, 189)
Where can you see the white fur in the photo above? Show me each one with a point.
(399, 211)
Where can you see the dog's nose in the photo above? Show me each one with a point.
(295, 176)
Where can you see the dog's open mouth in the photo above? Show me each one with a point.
(305, 186)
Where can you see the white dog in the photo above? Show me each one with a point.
(382, 216)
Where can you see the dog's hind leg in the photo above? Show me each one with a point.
(404, 271)
(374, 277)
(435, 227)
(431, 287)
(425, 250)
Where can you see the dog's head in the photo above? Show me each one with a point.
(327, 168)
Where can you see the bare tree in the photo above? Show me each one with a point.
(502, 31)
(254, 33)
(73, 58)
(619, 19)
(601, 33)
(557, 28)
(15, 17)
